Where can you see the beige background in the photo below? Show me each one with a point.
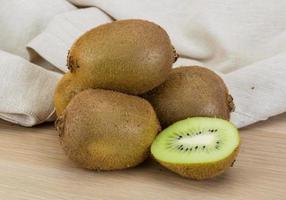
(33, 166)
(246, 41)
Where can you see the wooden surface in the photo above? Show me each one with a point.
(33, 166)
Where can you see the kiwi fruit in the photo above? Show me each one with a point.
(190, 92)
(66, 89)
(107, 130)
(130, 56)
(197, 148)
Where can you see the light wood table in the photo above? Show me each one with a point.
(33, 166)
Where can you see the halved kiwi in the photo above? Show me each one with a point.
(198, 147)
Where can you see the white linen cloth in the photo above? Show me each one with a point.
(244, 41)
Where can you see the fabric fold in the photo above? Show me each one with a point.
(21, 21)
(259, 90)
(26, 91)
(55, 41)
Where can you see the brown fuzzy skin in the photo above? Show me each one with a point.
(202, 171)
(66, 89)
(106, 130)
(190, 92)
(130, 56)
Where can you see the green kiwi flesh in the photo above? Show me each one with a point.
(198, 148)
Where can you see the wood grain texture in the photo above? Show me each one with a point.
(33, 166)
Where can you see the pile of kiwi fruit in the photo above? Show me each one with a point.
(122, 102)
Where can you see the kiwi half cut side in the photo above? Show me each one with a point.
(198, 148)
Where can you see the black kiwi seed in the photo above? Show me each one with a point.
(192, 134)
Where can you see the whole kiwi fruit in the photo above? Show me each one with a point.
(190, 92)
(198, 148)
(130, 56)
(66, 89)
(107, 130)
